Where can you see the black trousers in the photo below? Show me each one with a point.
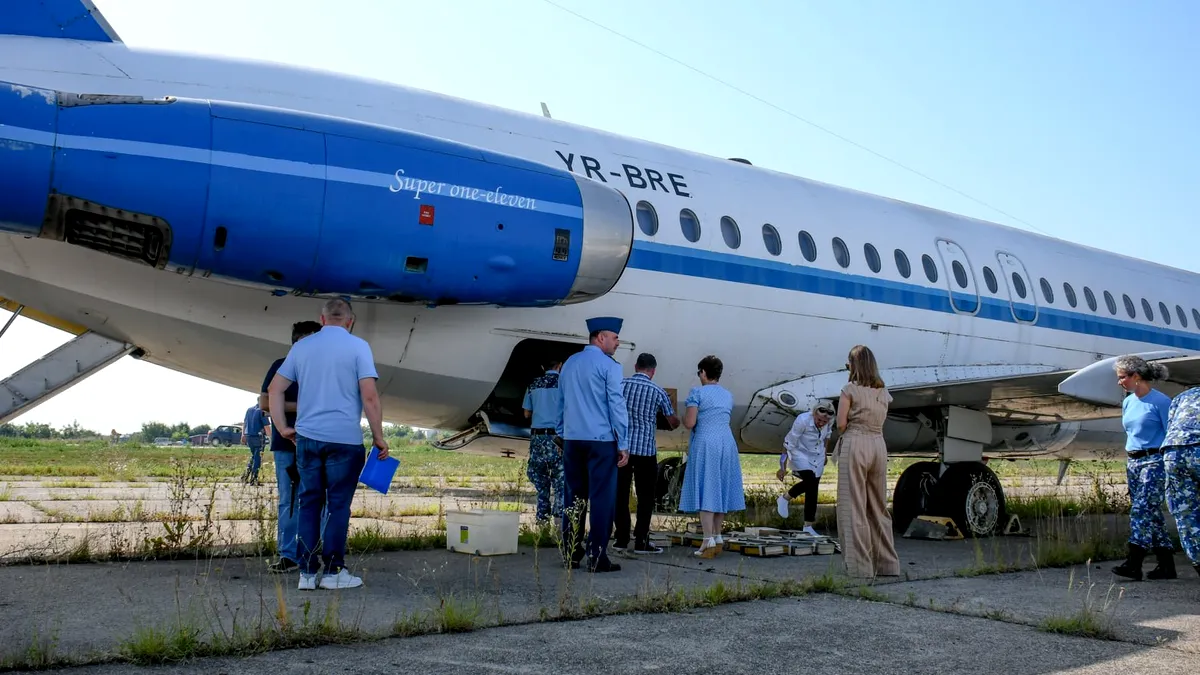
(642, 472)
(807, 486)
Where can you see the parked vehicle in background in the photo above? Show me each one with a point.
(162, 440)
(226, 434)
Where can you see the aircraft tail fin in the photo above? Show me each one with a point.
(66, 19)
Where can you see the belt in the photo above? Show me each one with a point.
(542, 432)
(1138, 454)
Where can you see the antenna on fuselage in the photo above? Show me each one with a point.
(545, 110)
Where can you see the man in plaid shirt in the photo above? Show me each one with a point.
(645, 400)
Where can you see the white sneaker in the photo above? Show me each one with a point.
(810, 531)
(343, 579)
(781, 505)
(308, 582)
(719, 540)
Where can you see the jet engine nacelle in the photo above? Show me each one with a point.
(302, 203)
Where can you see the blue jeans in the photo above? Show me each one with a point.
(328, 477)
(287, 478)
(255, 463)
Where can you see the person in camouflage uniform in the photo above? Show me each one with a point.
(543, 404)
(1181, 460)
(1144, 414)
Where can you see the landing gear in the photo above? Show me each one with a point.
(968, 492)
(669, 484)
(960, 486)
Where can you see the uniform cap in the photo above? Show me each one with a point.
(599, 323)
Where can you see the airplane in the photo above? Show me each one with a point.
(186, 210)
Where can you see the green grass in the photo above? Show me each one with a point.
(132, 462)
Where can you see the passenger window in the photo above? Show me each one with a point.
(771, 240)
(840, 253)
(690, 225)
(730, 232)
(647, 218)
(902, 265)
(808, 247)
(1166, 313)
(1112, 304)
(1090, 297)
(872, 257)
(1018, 285)
(1149, 312)
(1070, 293)
(960, 274)
(1129, 308)
(1196, 317)
(1047, 292)
(1182, 316)
(989, 278)
(931, 271)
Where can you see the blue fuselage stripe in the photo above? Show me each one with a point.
(235, 160)
(701, 264)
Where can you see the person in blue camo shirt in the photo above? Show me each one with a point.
(1181, 463)
(1144, 413)
(543, 406)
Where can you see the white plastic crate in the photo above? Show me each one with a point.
(482, 531)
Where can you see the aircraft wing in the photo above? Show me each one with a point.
(1087, 393)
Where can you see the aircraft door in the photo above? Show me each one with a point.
(1020, 289)
(964, 293)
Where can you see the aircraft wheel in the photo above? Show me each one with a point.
(913, 494)
(668, 484)
(971, 494)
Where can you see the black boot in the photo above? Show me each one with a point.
(1166, 564)
(1132, 567)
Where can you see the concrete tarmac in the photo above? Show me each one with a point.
(944, 614)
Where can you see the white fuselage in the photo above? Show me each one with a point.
(773, 321)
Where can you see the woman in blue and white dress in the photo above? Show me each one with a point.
(712, 481)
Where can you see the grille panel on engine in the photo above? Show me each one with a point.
(132, 241)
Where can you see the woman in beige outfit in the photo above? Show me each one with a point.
(863, 523)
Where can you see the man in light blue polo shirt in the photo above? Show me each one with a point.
(336, 374)
(596, 442)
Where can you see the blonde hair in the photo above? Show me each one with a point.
(863, 369)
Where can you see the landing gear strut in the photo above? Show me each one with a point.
(960, 486)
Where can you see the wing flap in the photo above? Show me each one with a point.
(1084, 394)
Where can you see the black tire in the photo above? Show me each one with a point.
(668, 484)
(971, 494)
(914, 493)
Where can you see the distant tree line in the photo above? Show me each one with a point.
(71, 431)
(181, 431)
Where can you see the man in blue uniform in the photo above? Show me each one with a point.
(596, 442)
(287, 476)
(254, 427)
(543, 403)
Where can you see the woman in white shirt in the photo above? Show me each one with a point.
(804, 454)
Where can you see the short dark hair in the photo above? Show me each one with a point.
(646, 361)
(304, 329)
(712, 367)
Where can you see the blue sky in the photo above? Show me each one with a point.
(1078, 118)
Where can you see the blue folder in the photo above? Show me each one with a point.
(377, 473)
